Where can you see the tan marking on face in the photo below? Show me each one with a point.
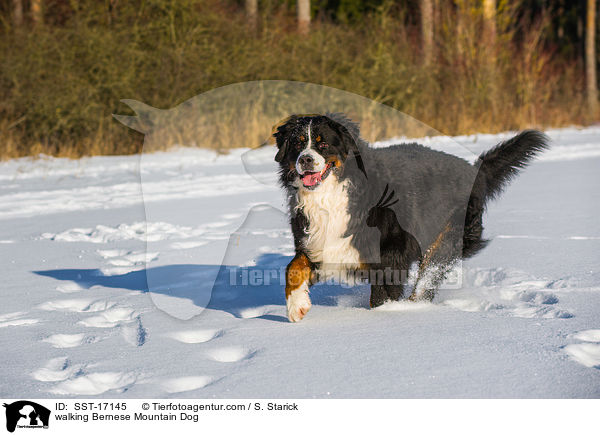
(302, 138)
(297, 273)
(318, 139)
(334, 161)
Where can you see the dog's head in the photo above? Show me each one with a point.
(311, 147)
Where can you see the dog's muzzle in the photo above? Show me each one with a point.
(306, 162)
(310, 160)
(312, 168)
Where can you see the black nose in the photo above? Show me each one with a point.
(306, 161)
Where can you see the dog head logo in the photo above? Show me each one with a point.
(26, 414)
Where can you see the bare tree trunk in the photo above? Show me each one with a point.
(36, 12)
(112, 10)
(560, 32)
(590, 58)
(460, 29)
(251, 12)
(489, 45)
(17, 12)
(489, 15)
(303, 16)
(427, 30)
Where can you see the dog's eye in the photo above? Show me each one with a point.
(298, 145)
(323, 146)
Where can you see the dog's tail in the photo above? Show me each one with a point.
(497, 167)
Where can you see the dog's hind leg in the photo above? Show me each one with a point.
(438, 260)
(429, 280)
(298, 277)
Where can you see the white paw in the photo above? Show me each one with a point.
(298, 304)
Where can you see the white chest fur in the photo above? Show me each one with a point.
(326, 209)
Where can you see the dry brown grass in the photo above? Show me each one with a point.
(60, 84)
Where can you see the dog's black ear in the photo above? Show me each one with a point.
(280, 132)
(281, 152)
(349, 141)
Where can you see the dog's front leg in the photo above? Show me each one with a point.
(297, 281)
(378, 295)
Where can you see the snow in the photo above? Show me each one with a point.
(82, 241)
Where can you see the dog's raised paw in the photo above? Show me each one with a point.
(298, 305)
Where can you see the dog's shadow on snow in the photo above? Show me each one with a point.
(241, 291)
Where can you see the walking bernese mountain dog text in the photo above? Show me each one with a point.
(382, 216)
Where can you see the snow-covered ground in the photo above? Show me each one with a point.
(77, 319)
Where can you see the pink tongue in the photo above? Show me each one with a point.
(311, 178)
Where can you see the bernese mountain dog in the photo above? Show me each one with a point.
(398, 217)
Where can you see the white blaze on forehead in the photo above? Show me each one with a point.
(318, 160)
